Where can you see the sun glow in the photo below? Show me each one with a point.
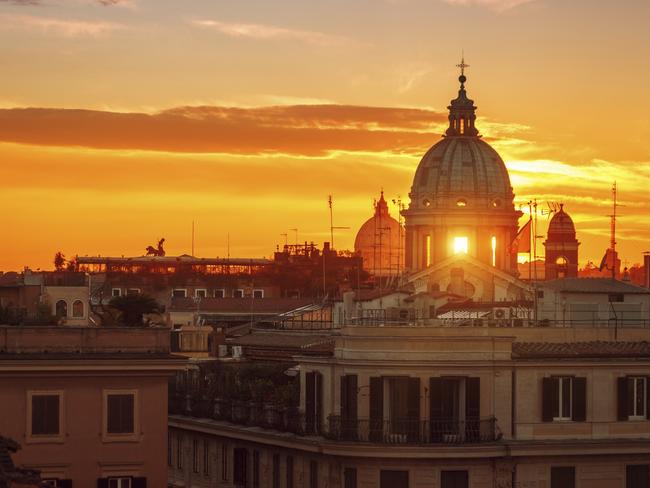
(461, 245)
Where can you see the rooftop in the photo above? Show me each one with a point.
(593, 285)
(591, 349)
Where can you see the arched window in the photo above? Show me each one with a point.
(78, 309)
(561, 261)
(61, 309)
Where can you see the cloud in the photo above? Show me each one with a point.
(268, 32)
(106, 3)
(61, 27)
(307, 130)
(498, 5)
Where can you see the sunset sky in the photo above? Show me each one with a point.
(122, 121)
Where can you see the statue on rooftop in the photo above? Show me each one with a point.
(152, 251)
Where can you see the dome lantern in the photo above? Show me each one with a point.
(462, 112)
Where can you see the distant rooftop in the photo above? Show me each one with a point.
(592, 349)
(593, 285)
(84, 341)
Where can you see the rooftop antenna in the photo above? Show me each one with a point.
(286, 238)
(228, 246)
(332, 227)
(612, 229)
(192, 238)
(296, 231)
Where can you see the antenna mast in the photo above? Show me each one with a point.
(192, 238)
(612, 241)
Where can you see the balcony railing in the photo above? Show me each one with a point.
(410, 431)
(242, 412)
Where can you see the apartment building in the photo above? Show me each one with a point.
(443, 407)
(87, 405)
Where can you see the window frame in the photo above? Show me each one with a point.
(137, 291)
(184, 290)
(237, 291)
(560, 396)
(31, 438)
(118, 290)
(635, 415)
(127, 436)
(222, 293)
(260, 291)
(120, 480)
(204, 290)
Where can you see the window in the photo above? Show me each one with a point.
(289, 472)
(61, 309)
(224, 462)
(58, 483)
(461, 245)
(133, 291)
(179, 293)
(454, 479)
(313, 474)
(454, 408)
(563, 477)
(350, 478)
(238, 293)
(617, 297)
(276, 471)
(494, 250)
(258, 293)
(256, 469)
(206, 457)
(313, 401)
(240, 460)
(637, 476)
(120, 412)
(461, 202)
(393, 479)
(427, 250)
(633, 398)
(116, 292)
(426, 203)
(220, 293)
(78, 309)
(45, 413)
(179, 452)
(119, 482)
(201, 293)
(195, 456)
(564, 398)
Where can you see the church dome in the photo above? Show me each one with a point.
(378, 242)
(461, 170)
(561, 226)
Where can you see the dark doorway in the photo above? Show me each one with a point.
(239, 468)
(394, 479)
(454, 479)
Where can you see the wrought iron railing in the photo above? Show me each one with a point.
(413, 431)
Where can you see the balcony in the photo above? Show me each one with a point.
(408, 431)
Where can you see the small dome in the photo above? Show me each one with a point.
(561, 226)
(461, 172)
(378, 242)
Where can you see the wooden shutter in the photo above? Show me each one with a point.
(318, 385)
(622, 398)
(102, 482)
(435, 398)
(579, 400)
(473, 398)
(376, 408)
(647, 398)
(344, 398)
(139, 483)
(550, 399)
(435, 409)
(414, 399)
(310, 407)
(353, 394)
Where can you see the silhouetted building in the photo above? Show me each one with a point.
(561, 247)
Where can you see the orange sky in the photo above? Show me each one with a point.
(123, 121)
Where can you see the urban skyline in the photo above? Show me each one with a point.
(348, 110)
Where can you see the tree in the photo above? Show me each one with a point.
(132, 308)
(59, 261)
